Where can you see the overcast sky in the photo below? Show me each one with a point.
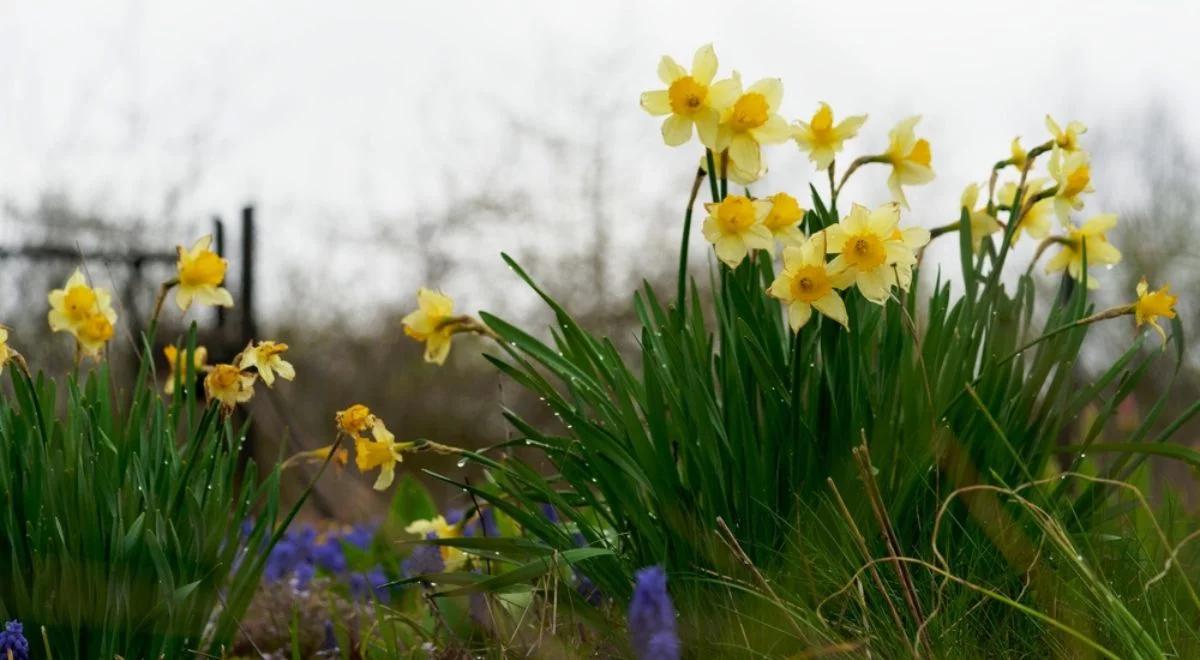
(337, 118)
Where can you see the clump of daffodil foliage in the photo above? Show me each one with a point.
(839, 446)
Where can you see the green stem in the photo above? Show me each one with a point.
(683, 243)
(712, 175)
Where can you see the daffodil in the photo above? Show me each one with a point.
(354, 420)
(909, 157)
(1018, 154)
(735, 226)
(93, 334)
(199, 359)
(438, 528)
(783, 220)
(201, 273)
(733, 171)
(77, 304)
(432, 323)
(983, 224)
(808, 282)
(1066, 139)
(1152, 304)
(1036, 218)
(751, 121)
(1089, 237)
(690, 99)
(380, 451)
(265, 358)
(821, 138)
(873, 247)
(1072, 172)
(229, 385)
(6, 353)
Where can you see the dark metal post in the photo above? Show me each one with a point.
(249, 331)
(219, 248)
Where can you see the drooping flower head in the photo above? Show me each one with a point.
(910, 158)
(1152, 304)
(735, 226)
(783, 220)
(266, 358)
(85, 312)
(438, 528)
(690, 99)
(1089, 237)
(171, 353)
(1035, 219)
(1072, 172)
(982, 223)
(821, 138)
(751, 121)
(806, 282)
(13, 645)
(1066, 139)
(201, 272)
(229, 385)
(652, 626)
(354, 420)
(872, 245)
(432, 323)
(381, 451)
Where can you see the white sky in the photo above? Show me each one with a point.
(341, 120)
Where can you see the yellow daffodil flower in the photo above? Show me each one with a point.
(872, 245)
(1065, 139)
(821, 138)
(1152, 304)
(752, 121)
(381, 451)
(783, 220)
(690, 98)
(1072, 173)
(354, 420)
(265, 358)
(909, 157)
(1036, 219)
(733, 171)
(432, 323)
(6, 353)
(1018, 154)
(1090, 237)
(735, 227)
(229, 385)
(201, 273)
(983, 224)
(77, 305)
(808, 282)
(199, 359)
(452, 558)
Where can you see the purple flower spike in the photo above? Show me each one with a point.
(652, 630)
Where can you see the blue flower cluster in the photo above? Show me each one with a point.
(299, 555)
(652, 630)
(13, 643)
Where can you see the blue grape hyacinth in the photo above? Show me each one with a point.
(652, 629)
(13, 643)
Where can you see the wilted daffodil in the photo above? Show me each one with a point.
(1035, 219)
(433, 323)
(872, 245)
(354, 420)
(752, 121)
(735, 227)
(783, 220)
(733, 171)
(199, 359)
(84, 312)
(690, 98)
(983, 224)
(909, 157)
(265, 358)
(229, 385)
(1152, 304)
(1066, 139)
(438, 528)
(807, 281)
(823, 139)
(1072, 173)
(200, 275)
(380, 451)
(1090, 237)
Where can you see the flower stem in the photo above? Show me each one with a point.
(683, 243)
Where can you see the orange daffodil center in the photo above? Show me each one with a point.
(735, 226)
(910, 158)
(871, 246)
(808, 282)
(686, 96)
(200, 273)
(783, 219)
(691, 99)
(821, 138)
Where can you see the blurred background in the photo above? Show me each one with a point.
(390, 145)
